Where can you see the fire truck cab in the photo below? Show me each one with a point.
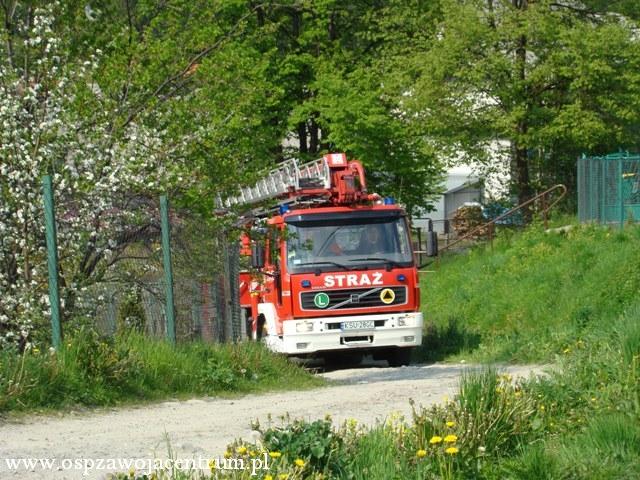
(333, 270)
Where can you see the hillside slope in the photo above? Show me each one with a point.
(533, 295)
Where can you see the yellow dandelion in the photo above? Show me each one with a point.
(212, 464)
(435, 440)
(421, 453)
(299, 462)
(275, 454)
(283, 476)
(450, 439)
(252, 453)
(227, 454)
(542, 408)
(566, 351)
(452, 450)
(132, 472)
(451, 424)
(241, 450)
(268, 477)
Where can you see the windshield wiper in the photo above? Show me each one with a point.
(340, 265)
(391, 263)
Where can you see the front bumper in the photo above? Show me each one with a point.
(325, 334)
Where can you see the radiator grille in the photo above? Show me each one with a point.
(354, 298)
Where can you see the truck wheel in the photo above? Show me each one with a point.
(399, 357)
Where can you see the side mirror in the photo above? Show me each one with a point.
(431, 246)
(257, 255)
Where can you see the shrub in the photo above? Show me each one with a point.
(316, 443)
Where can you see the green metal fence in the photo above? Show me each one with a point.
(609, 189)
(180, 283)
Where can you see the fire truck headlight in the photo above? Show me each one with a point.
(304, 327)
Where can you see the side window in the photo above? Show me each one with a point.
(402, 237)
(299, 245)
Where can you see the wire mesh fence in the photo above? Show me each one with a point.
(131, 292)
(609, 188)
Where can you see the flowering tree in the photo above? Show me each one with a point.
(55, 120)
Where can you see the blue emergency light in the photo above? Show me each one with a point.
(284, 209)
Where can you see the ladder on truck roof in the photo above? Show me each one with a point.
(289, 176)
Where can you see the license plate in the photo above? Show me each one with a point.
(358, 325)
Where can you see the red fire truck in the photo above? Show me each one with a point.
(333, 271)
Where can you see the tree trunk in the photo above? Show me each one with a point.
(522, 179)
(521, 158)
(302, 136)
(313, 136)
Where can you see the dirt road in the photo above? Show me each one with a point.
(203, 427)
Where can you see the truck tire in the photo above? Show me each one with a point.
(399, 357)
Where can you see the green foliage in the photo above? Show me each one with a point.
(609, 447)
(314, 442)
(131, 314)
(237, 80)
(375, 455)
(489, 418)
(94, 371)
(533, 463)
(534, 295)
(592, 411)
(544, 76)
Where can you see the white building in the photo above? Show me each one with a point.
(465, 183)
(461, 186)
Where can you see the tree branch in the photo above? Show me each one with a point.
(192, 62)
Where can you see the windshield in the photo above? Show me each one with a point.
(348, 244)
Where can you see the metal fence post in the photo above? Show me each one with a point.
(52, 261)
(168, 272)
(620, 192)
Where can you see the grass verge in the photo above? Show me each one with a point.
(91, 371)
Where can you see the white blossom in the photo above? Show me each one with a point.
(43, 131)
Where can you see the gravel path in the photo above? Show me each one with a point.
(203, 427)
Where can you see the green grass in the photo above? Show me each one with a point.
(530, 297)
(90, 371)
